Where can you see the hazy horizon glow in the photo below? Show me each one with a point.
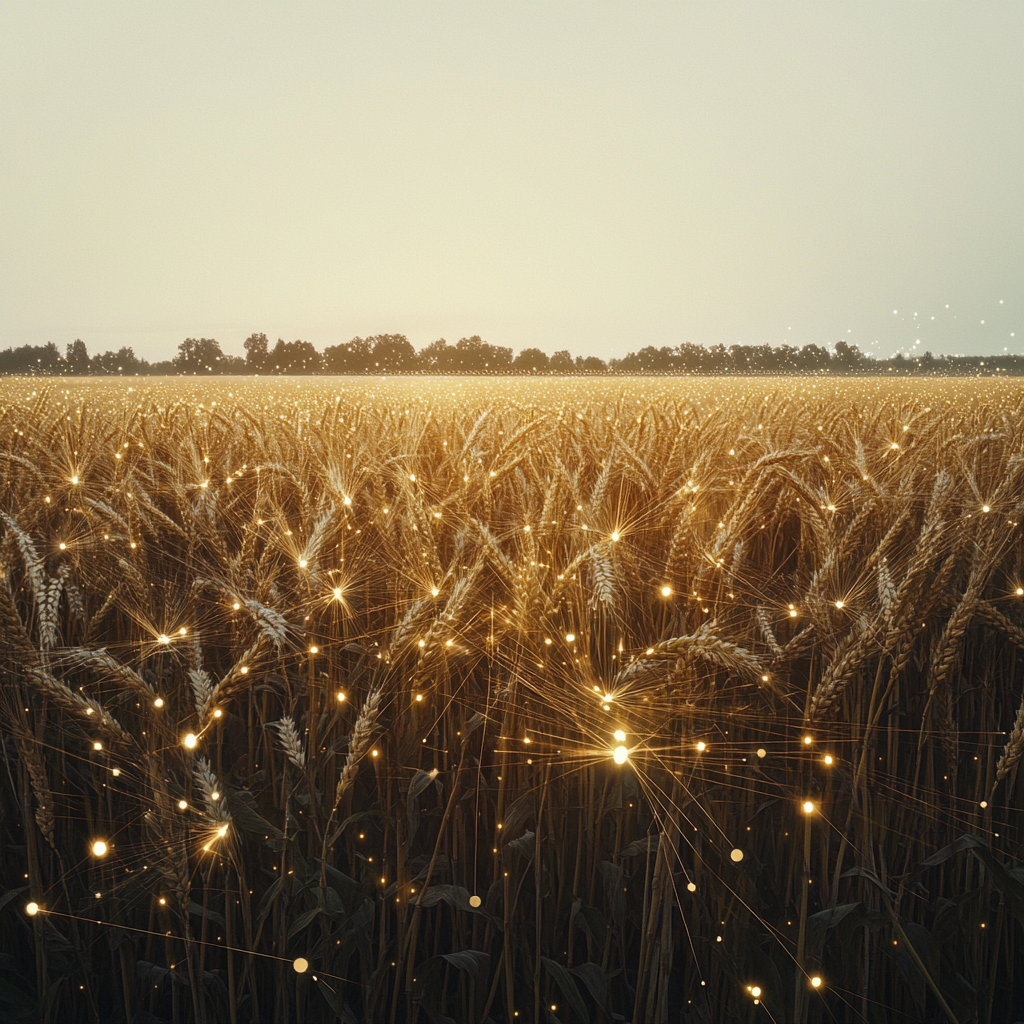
(596, 178)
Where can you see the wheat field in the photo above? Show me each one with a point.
(645, 700)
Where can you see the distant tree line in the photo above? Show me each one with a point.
(393, 354)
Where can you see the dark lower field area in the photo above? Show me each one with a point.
(462, 700)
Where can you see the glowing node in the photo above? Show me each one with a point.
(99, 848)
(792, 613)
(183, 631)
(116, 772)
(736, 856)
(32, 909)
(1020, 591)
(244, 670)
(337, 593)
(374, 753)
(190, 740)
(434, 591)
(236, 606)
(761, 752)
(828, 759)
(63, 546)
(619, 735)
(983, 804)
(839, 604)
(764, 679)
(807, 741)
(97, 745)
(303, 563)
(314, 650)
(159, 702)
(985, 508)
(215, 796)
(341, 697)
(74, 479)
(301, 965)
(816, 982)
(570, 638)
(620, 755)
(475, 901)
(756, 991)
(702, 746)
(808, 807)
(182, 805)
(163, 639)
(218, 713)
(691, 886)
(222, 831)
(615, 535)
(419, 697)
(666, 591)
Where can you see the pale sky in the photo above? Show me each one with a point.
(589, 176)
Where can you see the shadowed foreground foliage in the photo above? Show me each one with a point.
(404, 629)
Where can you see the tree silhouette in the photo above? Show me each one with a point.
(256, 347)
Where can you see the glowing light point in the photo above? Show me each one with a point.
(99, 848)
(301, 965)
(337, 593)
(218, 713)
(756, 991)
(736, 856)
(815, 982)
(828, 759)
(986, 508)
(691, 886)
(190, 740)
(97, 745)
(302, 565)
(164, 639)
(236, 606)
(1020, 591)
(983, 804)
(222, 831)
(839, 604)
(159, 702)
(32, 909)
(63, 546)
(434, 591)
(620, 735)
(807, 741)
(615, 535)
(620, 755)
(702, 746)
(570, 638)
(314, 650)
(666, 591)
(74, 479)
(182, 805)
(341, 698)
(761, 752)
(808, 807)
(475, 901)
